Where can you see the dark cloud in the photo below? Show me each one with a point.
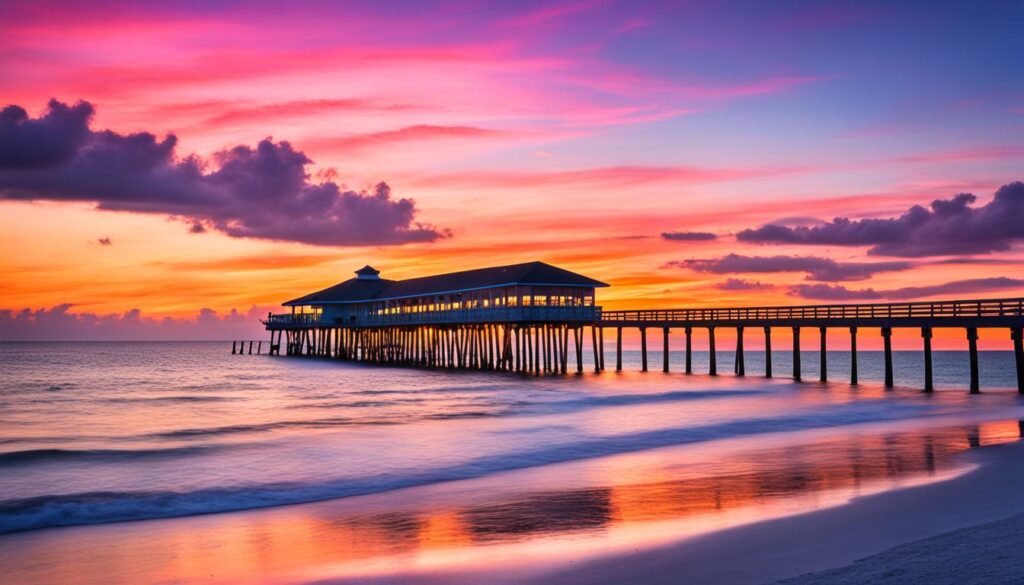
(824, 269)
(828, 292)
(742, 284)
(688, 236)
(61, 323)
(53, 138)
(263, 192)
(947, 227)
(833, 292)
(104, 241)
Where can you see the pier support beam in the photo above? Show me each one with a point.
(887, 343)
(618, 349)
(797, 375)
(689, 349)
(739, 367)
(593, 342)
(972, 346)
(712, 354)
(600, 343)
(1017, 334)
(853, 356)
(767, 352)
(577, 338)
(823, 332)
(926, 335)
(643, 348)
(664, 355)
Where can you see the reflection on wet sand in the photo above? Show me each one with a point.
(392, 532)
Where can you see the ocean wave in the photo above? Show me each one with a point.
(170, 399)
(106, 507)
(29, 456)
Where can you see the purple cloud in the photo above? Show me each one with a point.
(947, 227)
(59, 323)
(688, 236)
(824, 269)
(735, 284)
(263, 192)
(53, 138)
(827, 292)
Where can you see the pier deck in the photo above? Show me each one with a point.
(535, 339)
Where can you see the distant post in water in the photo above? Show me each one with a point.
(689, 350)
(853, 356)
(797, 375)
(767, 352)
(1017, 334)
(887, 343)
(972, 346)
(824, 354)
(618, 349)
(712, 356)
(643, 348)
(740, 368)
(664, 355)
(926, 334)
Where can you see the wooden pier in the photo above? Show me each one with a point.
(522, 318)
(969, 316)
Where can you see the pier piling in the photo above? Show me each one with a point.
(972, 347)
(739, 367)
(926, 335)
(853, 356)
(712, 353)
(664, 353)
(887, 346)
(797, 374)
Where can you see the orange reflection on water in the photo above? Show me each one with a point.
(543, 515)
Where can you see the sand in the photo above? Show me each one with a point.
(989, 553)
(793, 546)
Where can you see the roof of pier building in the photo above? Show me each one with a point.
(369, 286)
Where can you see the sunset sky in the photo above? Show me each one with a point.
(204, 157)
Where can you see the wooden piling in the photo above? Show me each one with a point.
(926, 334)
(664, 353)
(578, 340)
(972, 346)
(887, 346)
(643, 348)
(689, 349)
(1017, 334)
(767, 352)
(797, 374)
(823, 367)
(618, 349)
(853, 356)
(712, 353)
(739, 364)
(593, 336)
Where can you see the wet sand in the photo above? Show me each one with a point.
(834, 537)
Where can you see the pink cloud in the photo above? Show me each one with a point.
(420, 133)
(59, 323)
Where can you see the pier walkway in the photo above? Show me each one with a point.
(535, 339)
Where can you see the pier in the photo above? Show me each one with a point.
(522, 318)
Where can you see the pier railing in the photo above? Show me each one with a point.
(954, 312)
(443, 317)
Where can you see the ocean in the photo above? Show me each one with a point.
(137, 459)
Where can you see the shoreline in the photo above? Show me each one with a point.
(800, 548)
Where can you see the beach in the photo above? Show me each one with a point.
(179, 463)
